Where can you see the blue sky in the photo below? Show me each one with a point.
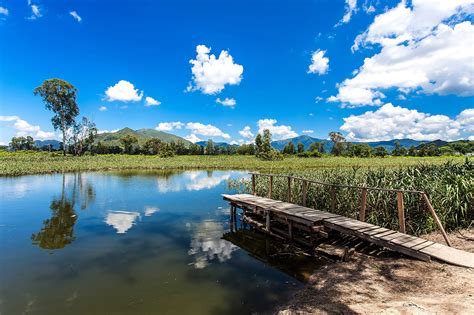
(373, 70)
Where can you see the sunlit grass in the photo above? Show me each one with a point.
(22, 163)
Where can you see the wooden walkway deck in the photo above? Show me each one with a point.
(316, 221)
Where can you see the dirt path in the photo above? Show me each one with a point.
(376, 285)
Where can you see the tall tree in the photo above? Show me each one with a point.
(210, 148)
(83, 135)
(337, 139)
(300, 147)
(267, 142)
(22, 143)
(128, 141)
(258, 144)
(59, 97)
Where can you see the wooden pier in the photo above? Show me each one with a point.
(298, 223)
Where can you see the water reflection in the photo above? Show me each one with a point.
(207, 244)
(58, 231)
(191, 181)
(296, 264)
(122, 221)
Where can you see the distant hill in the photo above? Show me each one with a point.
(304, 139)
(56, 145)
(307, 141)
(113, 138)
(216, 144)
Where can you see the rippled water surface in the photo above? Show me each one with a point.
(129, 242)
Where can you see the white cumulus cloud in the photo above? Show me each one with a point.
(211, 74)
(103, 108)
(319, 63)
(425, 48)
(23, 128)
(350, 9)
(395, 122)
(308, 131)
(75, 16)
(193, 138)
(278, 131)
(246, 132)
(168, 126)
(206, 130)
(229, 102)
(3, 11)
(123, 91)
(150, 101)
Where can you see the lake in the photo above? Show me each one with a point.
(134, 242)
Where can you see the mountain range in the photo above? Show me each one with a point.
(113, 138)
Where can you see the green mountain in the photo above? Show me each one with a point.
(113, 138)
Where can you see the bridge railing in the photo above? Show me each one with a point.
(363, 197)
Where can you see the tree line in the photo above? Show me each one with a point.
(79, 137)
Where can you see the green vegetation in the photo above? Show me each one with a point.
(31, 162)
(59, 97)
(449, 186)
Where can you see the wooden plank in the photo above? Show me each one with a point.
(306, 219)
(401, 211)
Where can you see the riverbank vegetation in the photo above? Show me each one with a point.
(449, 186)
(32, 162)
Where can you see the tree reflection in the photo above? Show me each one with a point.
(58, 231)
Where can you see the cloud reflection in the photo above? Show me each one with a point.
(207, 244)
(122, 221)
(191, 181)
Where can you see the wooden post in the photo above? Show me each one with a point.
(253, 185)
(363, 204)
(435, 217)
(268, 221)
(333, 198)
(231, 218)
(290, 229)
(289, 189)
(270, 186)
(401, 211)
(305, 188)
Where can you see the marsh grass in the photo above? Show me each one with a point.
(23, 163)
(449, 186)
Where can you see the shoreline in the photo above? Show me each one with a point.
(379, 285)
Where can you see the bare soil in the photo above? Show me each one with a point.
(389, 285)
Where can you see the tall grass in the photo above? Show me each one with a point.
(449, 186)
(22, 163)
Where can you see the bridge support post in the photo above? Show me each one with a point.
(401, 211)
(305, 188)
(253, 185)
(363, 204)
(289, 189)
(270, 186)
(435, 217)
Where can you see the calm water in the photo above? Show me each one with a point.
(131, 242)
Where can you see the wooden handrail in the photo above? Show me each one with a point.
(364, 190)
(338, 185)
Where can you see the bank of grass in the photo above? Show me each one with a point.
(449, 186)
(26, 163)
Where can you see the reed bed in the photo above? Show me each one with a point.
(24, 163)
(449, 186)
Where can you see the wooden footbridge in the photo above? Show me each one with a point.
(306, 225)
